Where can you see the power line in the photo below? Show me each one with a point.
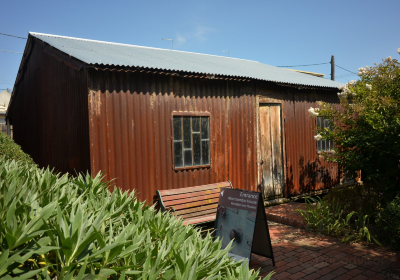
(9, 51)
(12, 36)
(345, 75)
(346, 69)
(305, 64)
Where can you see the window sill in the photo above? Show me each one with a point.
(192, 167)
(321, 153)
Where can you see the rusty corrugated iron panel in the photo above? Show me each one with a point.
(306, 170)
(130, 130)
(49, 113)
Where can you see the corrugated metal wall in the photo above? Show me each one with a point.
(306, 170)
(127, 117)
(49, 113)
(130, 130)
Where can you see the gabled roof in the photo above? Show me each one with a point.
(112, 54)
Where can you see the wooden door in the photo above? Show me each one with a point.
(271, 151)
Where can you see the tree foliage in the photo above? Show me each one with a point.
(9, 150)
(366, 129)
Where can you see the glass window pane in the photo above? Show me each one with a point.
(205, 147)
(319, 145)
(332, 145)
(177, 128)
(188, 157)
(204, 128)
(178, 154)
(323, 147)
(196, 149)
(319, 121)
(326, 123)
(187, 133)
(196, 124)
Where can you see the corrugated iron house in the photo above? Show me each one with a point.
(162, 119)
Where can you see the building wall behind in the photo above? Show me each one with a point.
(131, 142)
(305, 170)
(130, 130)
(49, 113)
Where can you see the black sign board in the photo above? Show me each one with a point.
(241, 216)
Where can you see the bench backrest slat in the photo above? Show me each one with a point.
(195, 209)
(193, 203)
(190, 199)
(194, 189)
(186, 195)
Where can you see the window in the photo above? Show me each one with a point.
(324, 145)
(191, 140)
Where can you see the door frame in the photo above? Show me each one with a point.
(262, 101)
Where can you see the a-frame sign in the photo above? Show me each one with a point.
(241, 216)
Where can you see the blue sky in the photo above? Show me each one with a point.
(358, 33)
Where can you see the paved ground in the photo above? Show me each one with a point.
(285, 214)
(300, 254)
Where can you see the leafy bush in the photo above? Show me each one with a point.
(333, 219)
(387, 224)
(366, 127)
(365, 198)
(75, 228)
(9, 150)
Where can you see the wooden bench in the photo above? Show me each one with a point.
(195, 205)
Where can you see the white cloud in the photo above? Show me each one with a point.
(202, 31)
(199, 34)
(180, 39)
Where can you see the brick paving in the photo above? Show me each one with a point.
(300, 254)
(284, 214)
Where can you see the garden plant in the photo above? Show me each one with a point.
(366, 133)
(366, 130)
(60, 227)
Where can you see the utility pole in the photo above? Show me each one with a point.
(333, 68)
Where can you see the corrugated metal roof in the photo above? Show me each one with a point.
(105, 53)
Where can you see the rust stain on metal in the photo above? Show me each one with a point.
(140, 156)
(95, 101)
(119, 122)
(306, 170)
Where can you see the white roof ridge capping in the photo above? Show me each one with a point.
(95, 52)
(136, 46)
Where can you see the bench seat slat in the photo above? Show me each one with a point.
(193, 194)
(194, 189)
(200, 199)
(201, 213)
(198, 220)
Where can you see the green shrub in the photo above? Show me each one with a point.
(364, 199)
(75, 228)
(387, 224)
(334, 219)
(9, 150)
(365, 123)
